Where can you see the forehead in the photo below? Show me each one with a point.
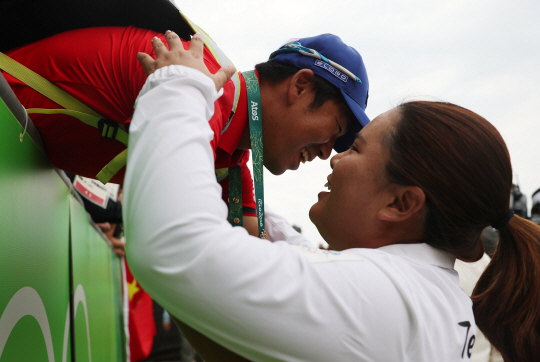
(382, 124)
(374, 135)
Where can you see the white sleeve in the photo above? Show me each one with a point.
(215, 278)
(278, 228)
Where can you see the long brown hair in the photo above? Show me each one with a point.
(461, 162)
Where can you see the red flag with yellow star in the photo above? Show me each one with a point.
(141, 319)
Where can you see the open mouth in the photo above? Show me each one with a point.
(305, 155)
(328, 184)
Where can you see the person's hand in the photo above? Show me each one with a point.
(177, 55)
(118, 245)
(104, 226)
(120, 196)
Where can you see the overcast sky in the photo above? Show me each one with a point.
(483, 55)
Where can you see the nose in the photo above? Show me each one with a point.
(335, 159)
(325, 150)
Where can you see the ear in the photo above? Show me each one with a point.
(406, 201)
(299, 84)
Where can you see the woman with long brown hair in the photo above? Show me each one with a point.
(411, 195)
(461, 162)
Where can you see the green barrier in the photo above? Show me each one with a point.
(34, 240)
(37, 213)
(96, 320)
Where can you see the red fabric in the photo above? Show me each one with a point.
(142, 328)
(98, 66)
(235, 131)
(228, 155)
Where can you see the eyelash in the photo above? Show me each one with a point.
(354, 149)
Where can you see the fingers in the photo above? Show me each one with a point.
(148, 63)
(158, 46)
(223, 75)
(120, 252)
(104, 226)
(197, 44)
(177, 55)
(175, 44)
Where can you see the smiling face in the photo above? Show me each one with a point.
(347, 215)
(293, 132)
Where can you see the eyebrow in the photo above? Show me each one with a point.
(360, 137)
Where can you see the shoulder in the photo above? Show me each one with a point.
(72, 43)
(410, 293)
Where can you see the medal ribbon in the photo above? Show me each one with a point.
(255, 130)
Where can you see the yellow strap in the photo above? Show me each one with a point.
(113, 167)
(74, 108)
(219, 55)
(221, 174)
(42, 85)
(88, 119)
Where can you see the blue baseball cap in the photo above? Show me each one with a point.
(327, 56)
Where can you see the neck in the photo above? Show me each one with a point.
(245, 141)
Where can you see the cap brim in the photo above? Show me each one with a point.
(344, 142)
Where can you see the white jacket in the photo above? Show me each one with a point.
(270, 301)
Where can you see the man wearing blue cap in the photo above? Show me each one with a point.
(343, 74)
(327, 75)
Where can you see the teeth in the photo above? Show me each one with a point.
(305, 154)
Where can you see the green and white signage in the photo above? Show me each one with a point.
(39, 286)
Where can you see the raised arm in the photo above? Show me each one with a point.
(262, 300)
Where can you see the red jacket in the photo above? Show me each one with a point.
(98, 66)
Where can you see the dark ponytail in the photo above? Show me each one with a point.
(506, 300)
(461, 162)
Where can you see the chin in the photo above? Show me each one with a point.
(313, 214)
(316, 215)
(278, 172)
(275, 170)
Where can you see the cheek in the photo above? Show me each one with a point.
(327, 130)
(313, 129)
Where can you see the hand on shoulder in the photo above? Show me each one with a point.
(177, 55)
